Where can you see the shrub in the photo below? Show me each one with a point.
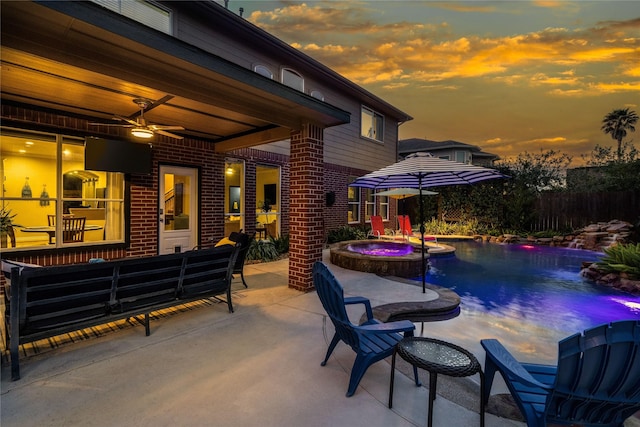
(462, 228)
(281, 243)
(346, 232)
(621, 259)
(263, 250)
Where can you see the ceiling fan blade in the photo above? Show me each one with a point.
(126, 119)
(169, 134)
(152, 104)
(162, 127)
(112, 124)
(160, 101)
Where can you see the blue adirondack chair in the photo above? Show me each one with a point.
(372, 341)
(596, 381)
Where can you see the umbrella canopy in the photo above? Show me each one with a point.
(422, 170)
(403, 193)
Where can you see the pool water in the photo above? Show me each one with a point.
(536, 285)
(382, 249)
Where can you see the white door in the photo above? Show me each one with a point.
(178, 209)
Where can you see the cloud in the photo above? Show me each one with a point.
(549, 140)
(543, 79)
(617, 87)
(507, 85)
(351, 38)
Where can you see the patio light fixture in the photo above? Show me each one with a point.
(142, 133)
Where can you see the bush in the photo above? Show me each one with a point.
(346, 232)
(281, 243)
(621, 259)
(461, 228)
(263, 250)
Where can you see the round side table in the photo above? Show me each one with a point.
(437, 357)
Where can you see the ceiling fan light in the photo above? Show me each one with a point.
(142, 133)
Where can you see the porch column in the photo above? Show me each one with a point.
(306, 205)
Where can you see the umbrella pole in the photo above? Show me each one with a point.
(424, 266)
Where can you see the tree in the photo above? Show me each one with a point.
(617, 123)
(510, 202)
(531, 174)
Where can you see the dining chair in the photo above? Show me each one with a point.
(73, 229)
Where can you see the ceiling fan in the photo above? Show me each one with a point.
(140, 128)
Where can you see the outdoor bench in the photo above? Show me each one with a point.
(49, 301)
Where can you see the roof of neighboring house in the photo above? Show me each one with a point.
(413, 145)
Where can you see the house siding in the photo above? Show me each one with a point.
(346, 146)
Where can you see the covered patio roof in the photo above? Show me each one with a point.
(79, 58)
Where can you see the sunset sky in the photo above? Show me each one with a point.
(508, 76)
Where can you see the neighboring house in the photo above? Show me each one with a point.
(449, 150)
(240, 131)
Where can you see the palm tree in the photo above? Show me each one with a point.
(617, 123)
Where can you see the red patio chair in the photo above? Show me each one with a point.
(406, 229)
(377, 227)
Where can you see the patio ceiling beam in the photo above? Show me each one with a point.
(253, 138)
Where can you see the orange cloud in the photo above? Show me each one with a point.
(618, 87)
(541, 78)
(464, 7)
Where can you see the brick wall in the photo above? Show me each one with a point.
(308, 221)
(307, 205)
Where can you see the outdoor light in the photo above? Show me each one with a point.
(142, 133)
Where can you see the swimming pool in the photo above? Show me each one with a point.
(528, 297)
(537, 285)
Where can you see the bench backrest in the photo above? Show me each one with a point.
(144, 282)
(59, 297)
(50, 297)
(208, 271)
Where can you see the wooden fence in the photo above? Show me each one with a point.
(563, 211)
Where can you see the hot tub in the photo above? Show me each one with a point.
(380, 257)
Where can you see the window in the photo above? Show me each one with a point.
(263, 71)
(354, 202)
(292, 79)
(234, 196)
(317, 95)
(148, 13)
(384, 207)
(372, 125)
(268, 199)
(369, 204)
(461, 156)
(45, 186)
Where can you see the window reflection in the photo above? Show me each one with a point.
(43, 177)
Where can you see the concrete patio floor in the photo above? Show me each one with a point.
(259, 366)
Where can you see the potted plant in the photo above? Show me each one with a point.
(6, 227)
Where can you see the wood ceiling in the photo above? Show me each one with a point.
(53, 60)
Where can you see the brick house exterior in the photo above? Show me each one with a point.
(228, 110)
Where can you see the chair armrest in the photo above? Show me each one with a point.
(360, 300)
(385, 328)
(508, 365)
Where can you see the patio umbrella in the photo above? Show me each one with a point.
(404, 193)
(422, 170)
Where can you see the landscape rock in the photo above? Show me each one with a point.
(611, 280)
